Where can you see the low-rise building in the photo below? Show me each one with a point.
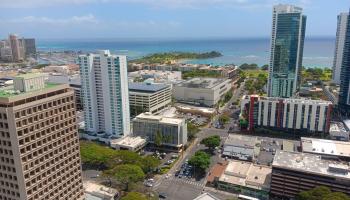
(128, 143)
(294, 172)
(94, 191)
(326, 148)
(246, 178)
(206, 196)
(338, 131)
(144, 97)
(201, 91)
(171, 133)
(157, 75)
(287, 114)
(241, 147)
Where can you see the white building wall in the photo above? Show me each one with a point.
(299, 112)
(114, 85)
(313, 118)
(273, 114)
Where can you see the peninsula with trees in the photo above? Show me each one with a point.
(171, 57)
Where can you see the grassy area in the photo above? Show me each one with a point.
(255, 73)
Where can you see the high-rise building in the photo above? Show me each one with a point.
(339, 46)
(344, 93)
(29, 47)
(16, 48)
(39, 148)
(104, 84)
(287, 43)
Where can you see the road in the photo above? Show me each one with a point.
(185, 188)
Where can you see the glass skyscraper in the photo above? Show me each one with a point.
(344, 93)
(287, 43)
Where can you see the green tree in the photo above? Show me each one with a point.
(192, 130)
(158, 140)
(200, 160)
(321, 193)
(211, 142)
(224, 118)
(95, 154)
(134, 196)
(265, 67)
(126, 174)
(149, 163)
(125, 157)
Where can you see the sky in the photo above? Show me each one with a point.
(79, 19)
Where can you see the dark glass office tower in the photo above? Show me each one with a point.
(287, 44)
(344, 93)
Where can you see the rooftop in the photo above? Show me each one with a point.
(95, 191)
(325, 147)
(29, 75)
(207, 83)
(8, 92)
(206, 196)
(310, 163)
(146, 87)
(241, 141)
(242, 147)
(290, 100)
(128, 141)
(247, 174)
(159, 119)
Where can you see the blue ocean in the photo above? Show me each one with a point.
(318, 52)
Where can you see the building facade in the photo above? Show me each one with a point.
(17, 48)
(104, 89)
(288, 114)
(339, 46)
(287, 44)
(202, 91)
(39, 148)
(144, 97)
(171, 132)
(29, 47)
(294, 172)
(344, 93)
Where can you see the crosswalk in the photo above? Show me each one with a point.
(187, 181)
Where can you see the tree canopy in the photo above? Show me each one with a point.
(126, 174)
(246, 66)
(211, 142)
(321, 193)
(96, 154)
(192, 130)
(134, 196)
(200, 160)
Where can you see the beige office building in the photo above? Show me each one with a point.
(39, 147)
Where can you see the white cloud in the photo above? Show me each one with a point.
(47, 20)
